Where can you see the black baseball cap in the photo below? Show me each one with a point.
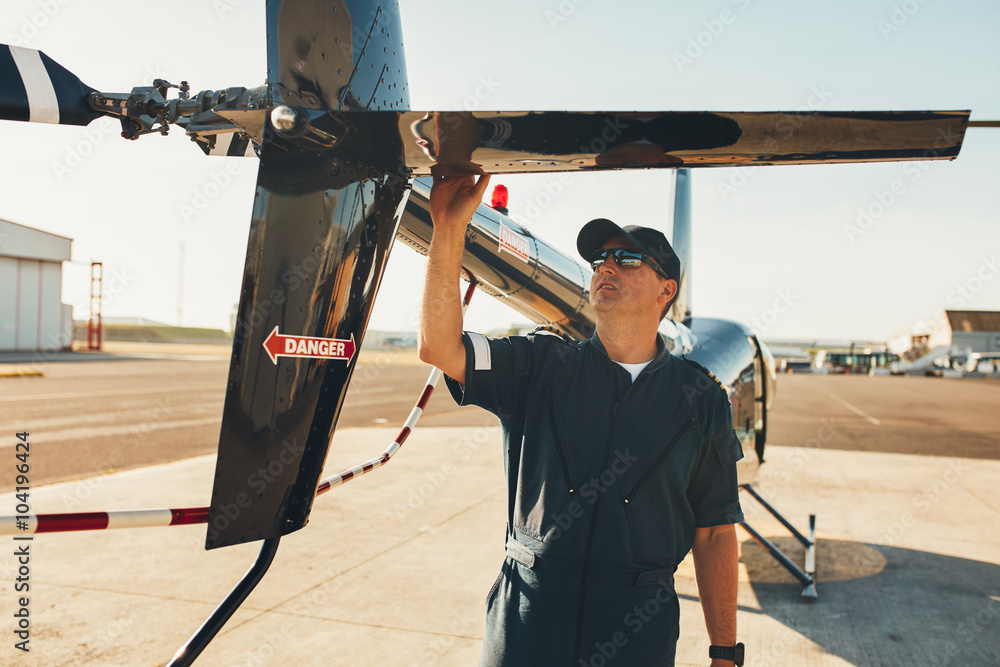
(648, 241)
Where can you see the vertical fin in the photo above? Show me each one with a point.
(681, 309)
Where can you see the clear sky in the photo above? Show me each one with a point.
(784, 233)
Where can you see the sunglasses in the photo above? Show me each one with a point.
(629, 259)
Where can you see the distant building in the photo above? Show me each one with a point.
(974, 330)
(831, 356)
(32, 315)
(951, 339)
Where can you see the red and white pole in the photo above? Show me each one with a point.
(78, 521)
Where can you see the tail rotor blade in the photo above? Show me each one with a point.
(534, 141)
(35, 88)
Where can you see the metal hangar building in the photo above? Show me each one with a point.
(32, 315)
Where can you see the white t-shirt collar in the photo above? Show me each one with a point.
(634, 369)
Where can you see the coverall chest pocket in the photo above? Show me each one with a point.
(546, 474)
(653, 493)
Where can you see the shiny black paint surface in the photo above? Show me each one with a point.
(530, 141)
(411, 142)
(728, 349)
(323, 224)
(313, 266)
(336, 55)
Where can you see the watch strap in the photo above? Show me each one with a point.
(733, 653)
(722, 652)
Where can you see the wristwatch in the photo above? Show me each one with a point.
(734, 653)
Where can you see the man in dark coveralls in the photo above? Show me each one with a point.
(620, 458)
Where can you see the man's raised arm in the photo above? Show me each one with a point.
(454, 198)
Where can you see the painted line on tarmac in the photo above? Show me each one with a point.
(161, 390)
(154, 356)
(49, 422)
(857, 411)
(137, 430)
(115, 392)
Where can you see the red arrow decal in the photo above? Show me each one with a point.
(278, 345)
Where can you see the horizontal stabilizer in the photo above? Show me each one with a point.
(35, 88)
(514, 142)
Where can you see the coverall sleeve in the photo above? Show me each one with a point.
(714, 489)
(490, 378)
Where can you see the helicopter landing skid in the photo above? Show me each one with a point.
(806, 577)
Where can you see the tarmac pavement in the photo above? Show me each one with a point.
(90, 418)
(394, 567)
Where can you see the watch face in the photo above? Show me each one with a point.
(738, 654)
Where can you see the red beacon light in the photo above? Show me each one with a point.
(498, 201)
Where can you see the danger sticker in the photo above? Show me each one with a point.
(278, 345)
(514, 243)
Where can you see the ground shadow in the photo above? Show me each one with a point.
(886, 605)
